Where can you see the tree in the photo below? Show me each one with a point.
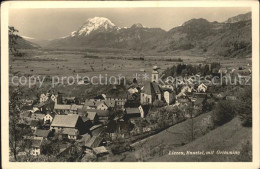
(190, 110)
(13, 40)
(16, 132)
(135, 80)
(224, 112)
(244, 104)
(158, 103)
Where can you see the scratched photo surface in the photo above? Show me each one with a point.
(130, 84)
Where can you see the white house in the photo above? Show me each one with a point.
(133, 90)
(168, 96)
(71, 133)
(48, 118)
(102, 106)
(141, 111)
(53, 97)
(202, 88)
(36, 147)
(43, 98)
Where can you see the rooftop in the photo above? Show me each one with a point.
(65, 121)
(91, 115)
(100, 150)
(42, 133)
(70, 131)
(62, 107)
(100, 113)
(132, 110)
(93, 142)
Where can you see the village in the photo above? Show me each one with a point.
(105, 125)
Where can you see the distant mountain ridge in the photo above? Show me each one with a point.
(231, 38)
(238, 18)
(25, 43)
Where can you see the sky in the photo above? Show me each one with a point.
(43, 24)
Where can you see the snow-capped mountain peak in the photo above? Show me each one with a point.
(95, 24)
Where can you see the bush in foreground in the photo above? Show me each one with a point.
(223, 113)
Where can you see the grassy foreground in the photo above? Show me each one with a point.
(229, 137)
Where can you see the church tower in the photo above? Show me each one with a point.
(155, 74)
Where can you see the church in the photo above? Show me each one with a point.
(151, 90)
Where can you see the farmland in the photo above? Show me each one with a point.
(61, 63)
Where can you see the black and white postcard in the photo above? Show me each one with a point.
(176, 83)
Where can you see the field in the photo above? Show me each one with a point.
(230, 137)
(113, 63)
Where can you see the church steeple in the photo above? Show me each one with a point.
(155, 74)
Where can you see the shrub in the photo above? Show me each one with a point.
(158, 103)
(223, 113)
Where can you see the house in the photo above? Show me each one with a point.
(36, 147)
(71, 133)
(202, 88)
(43, 98)
(119, 98)
(43, 134)
(54, 97)
(95, 141)
(84, 138)
(168, 96)
(103, 115)
(102, 106)
(229, 97)
(64, 149)
(48, 118)
(68, 100)
(42, 106)
(133, 90)
(99, 104)
(219, 95)
(167, 87)
(38, 116)
(62, 108)
(134, 112)
(89, 118)
(100, 151)
(110, 103)
(200, 95)
(34, 124)
(93, 117)
(91, 104)
(74, 108)
(28, 102)
(67, 121)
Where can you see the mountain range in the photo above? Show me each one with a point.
(231, 38)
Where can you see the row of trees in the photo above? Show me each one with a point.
(188, 69)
